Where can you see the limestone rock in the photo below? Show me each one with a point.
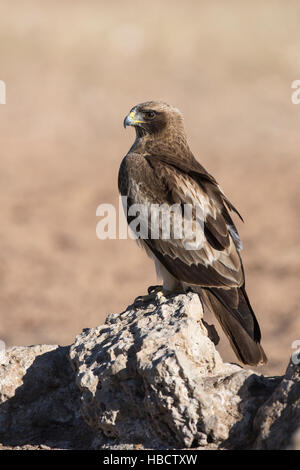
(151, 375)
(277, 422)
(39, 401)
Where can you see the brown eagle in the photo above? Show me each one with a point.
(161, 169)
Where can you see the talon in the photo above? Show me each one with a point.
(148, 298)
(152, 289)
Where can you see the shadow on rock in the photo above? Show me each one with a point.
(40, 403)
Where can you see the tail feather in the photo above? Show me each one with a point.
(236, 317)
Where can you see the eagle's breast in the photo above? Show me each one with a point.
(137, 180)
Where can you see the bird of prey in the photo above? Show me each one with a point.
(161, 169)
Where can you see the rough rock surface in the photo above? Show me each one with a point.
(150, 377)
(39, 401)
(277, 423)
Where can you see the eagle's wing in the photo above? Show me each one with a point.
(214, 269)
(212, 262)
(216, 265)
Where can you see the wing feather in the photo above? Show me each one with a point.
(214, 261)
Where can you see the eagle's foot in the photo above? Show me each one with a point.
(153, 293)
(152, 289)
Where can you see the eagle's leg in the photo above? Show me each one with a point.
(171, 285)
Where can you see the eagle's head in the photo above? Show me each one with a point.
(154, 117)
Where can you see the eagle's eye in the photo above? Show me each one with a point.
(150, 114)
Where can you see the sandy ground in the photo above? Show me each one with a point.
(72, 71)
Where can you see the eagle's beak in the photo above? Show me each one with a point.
(128, 121)
(132, 119)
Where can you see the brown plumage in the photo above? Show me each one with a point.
(161, 169)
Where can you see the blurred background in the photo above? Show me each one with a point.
(72, 71)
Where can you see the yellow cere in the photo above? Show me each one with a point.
(135, 121)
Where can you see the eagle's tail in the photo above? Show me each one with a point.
(235, 315)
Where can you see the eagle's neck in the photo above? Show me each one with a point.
(168, 139)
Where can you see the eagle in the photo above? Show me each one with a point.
(160, 169)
